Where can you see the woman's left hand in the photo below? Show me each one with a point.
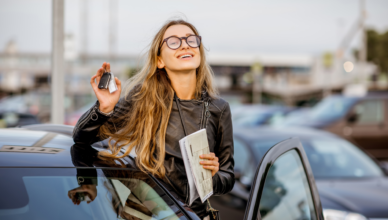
(210, 164)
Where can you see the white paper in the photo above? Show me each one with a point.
(112, 84)
(193, 194)
(192, 146)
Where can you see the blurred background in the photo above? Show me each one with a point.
(321, 64)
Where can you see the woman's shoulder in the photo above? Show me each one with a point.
(220, 104)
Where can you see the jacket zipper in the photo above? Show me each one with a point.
(206, 114)
(86, 119)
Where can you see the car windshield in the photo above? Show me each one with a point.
(82, 193)
(330, 158)
(331, 108)
(251, 118)
(255, 116)
(292, 118)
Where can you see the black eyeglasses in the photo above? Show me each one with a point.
(175, 42)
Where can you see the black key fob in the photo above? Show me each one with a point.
(104, 81)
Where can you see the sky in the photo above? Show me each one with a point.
(243, 26)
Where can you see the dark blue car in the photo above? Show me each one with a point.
(45, 175)
(351, 184)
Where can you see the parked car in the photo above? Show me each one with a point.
(34, 103)
(362, 120)
(38, 103)
(350, 183)
(46, 176)
(256, 115)
(14, 119)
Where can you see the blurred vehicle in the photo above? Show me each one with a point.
(292, 116)
(33, 103)
(38, 103)
(362, 120)
(351, 185)
(256, 115)
(72, 118)
(14, 119)
(47, 176)
(27, 103)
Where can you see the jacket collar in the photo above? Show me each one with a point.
(204, 96)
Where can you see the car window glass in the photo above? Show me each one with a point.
(277, 118)
(330, 158)
(249, 173)
(286, 194)
(332, 108)
(251, 119)
(47, 193)
(369, 112)
(241, 155)
(261, 147)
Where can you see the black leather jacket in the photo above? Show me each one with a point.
(219, 132)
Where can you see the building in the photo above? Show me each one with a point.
(286, 79)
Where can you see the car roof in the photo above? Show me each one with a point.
(22, 147)
(251, 134)
(25, 148)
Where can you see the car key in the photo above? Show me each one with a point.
(104, 81)
(112, 84)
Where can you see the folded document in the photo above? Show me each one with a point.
(200, 179)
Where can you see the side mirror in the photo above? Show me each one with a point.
(352, 118)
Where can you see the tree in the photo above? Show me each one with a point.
(377, 51)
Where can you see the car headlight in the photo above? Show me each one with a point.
(331, 214)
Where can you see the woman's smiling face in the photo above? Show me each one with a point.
(172, 59)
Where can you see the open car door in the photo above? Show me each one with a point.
(284, 186)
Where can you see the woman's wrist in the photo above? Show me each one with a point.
(106, 110)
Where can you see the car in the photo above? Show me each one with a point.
(34, 103)
(257, 115)
(38, 104)
(45, 175)
(349, 182)
(360, 119)
(14, 119)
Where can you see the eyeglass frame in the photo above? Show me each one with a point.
(180, 38)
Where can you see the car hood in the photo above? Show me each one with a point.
(367, 196)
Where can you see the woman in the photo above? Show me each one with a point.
(172, 95)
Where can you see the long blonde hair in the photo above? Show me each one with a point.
(151, 96)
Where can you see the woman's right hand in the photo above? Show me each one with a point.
(107, 100)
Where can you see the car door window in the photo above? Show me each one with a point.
(284, 186)
(369, 112)
(68, 193)
(286, 193)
